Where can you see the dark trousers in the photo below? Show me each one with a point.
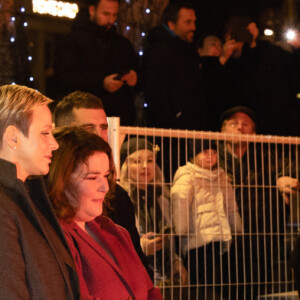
(205, 265)
(252, 267)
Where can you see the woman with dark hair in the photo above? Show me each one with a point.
(80, 176)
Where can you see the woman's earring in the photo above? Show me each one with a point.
(14, 148)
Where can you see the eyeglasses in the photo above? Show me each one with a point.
(236, 123)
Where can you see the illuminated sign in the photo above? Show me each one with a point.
(55, 8)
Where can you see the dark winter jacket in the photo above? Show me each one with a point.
(121, 211)
(254, 181)
(215, 87)
(35, 260)
(262, 80)
(86, 56)
(172, 83)
(255, 255)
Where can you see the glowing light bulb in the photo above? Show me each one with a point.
(22, 9)
(31, 78)
(25, 24)
(268, 32)
(148, 11)
(30, 58)
(145, 104)
(13, 19)
(141, 53)
(127, 27)
(143, 34)
(12, 39)
(290, 35)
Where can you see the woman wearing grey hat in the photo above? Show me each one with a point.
(144, 181)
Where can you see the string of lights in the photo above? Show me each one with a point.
(17, 45)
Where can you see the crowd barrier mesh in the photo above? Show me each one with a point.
(233, 231)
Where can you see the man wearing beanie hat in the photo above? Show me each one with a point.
(226, 115)
(205, 214)
(256, 180)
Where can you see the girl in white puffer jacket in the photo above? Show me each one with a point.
(205, 213)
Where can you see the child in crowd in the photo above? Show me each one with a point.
(205, 214)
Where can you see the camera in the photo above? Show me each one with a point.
(237, 28)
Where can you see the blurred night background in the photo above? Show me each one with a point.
(35, 34)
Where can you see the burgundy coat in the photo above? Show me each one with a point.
(101, 276)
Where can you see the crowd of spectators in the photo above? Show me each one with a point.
(208, 227)
(220, 219)
(187, 83)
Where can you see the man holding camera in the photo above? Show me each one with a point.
(259, 75)
(94, 58)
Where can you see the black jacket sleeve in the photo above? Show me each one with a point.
(122, 213)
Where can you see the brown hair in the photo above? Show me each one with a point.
(75, 146)
(171, 12)
(17, 104)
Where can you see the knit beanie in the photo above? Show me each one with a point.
(226, 115)
(133, 145)
(198, 146)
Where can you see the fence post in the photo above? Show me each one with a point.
(114, 140)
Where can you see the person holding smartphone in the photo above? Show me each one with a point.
(142, 178)
(94, 58)
(260, 75)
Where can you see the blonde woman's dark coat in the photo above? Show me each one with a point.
(35, 261)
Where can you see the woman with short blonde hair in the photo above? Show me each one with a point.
(34, 257)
